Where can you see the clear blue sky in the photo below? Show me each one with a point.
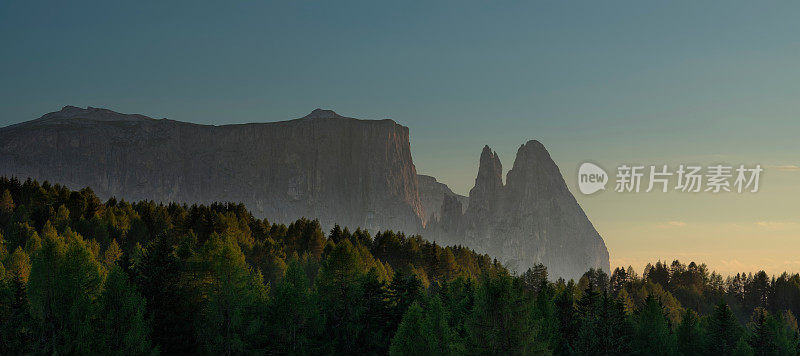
(606, 81)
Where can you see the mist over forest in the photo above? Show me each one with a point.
(79, 275)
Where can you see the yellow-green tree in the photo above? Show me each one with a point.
(235, 297)
(64, 286)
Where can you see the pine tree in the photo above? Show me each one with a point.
(619, 280)
(437, 333)
(293, 319)
(653, 335)
(568, 322)
(404, 290)
(339, 297)
(544, 316)
(458, 297)
(742, 348)
(690, 335)
(15, 318)
(423, 331)
(376, 316)
(336, 234)
(495, 326)
(787, 336)
(588, 320)
(236, 297)
(64, 285)
(761, 336)
(122, 317)
(173, 311)
(627, 302)
(535, 277)
(409, 339)
(723, 330)
(15, 326)
(61, 219)
(771, 334)
(615, 332)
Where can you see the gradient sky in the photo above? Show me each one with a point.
(608, 82)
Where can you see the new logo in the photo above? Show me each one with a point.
(591, 178)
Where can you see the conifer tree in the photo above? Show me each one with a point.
(690, 335)
(6, 203)
(112, 254)
(436, 331)
(173, 311)
(64, 285)
(410, 338)
(339, 296)
(293, 317)
(123, 317)
(376, 315)
(495, 326)
(404, 290)
(653, 334)
(15, 318)
(235, 299)
(723, 330)
(568, 323)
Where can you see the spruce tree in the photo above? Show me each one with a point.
(15, 317)
(568, 322)
(723, 331)
(690, 335)
(172, 309)
(122, 316)
(410, 338)
(376, 315)
(436, 331)
(64, 285)
(653, 334)
(339, 297)
(235, 299)
(404, 290)
(588, 320)
(458, 298)
(495, 326)
(292, 315)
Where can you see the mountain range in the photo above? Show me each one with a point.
(337, 169)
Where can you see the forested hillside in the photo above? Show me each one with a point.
(80, 276)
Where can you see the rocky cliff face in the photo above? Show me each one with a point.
(533, 218)
(343, 170)
(432, 194)
(337, 169)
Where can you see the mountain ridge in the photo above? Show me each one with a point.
(76, 114)
(285, 170)
(323, 165)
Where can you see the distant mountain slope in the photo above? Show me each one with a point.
(533, 218)
(340, 170)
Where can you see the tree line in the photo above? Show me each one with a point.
(82, 276)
